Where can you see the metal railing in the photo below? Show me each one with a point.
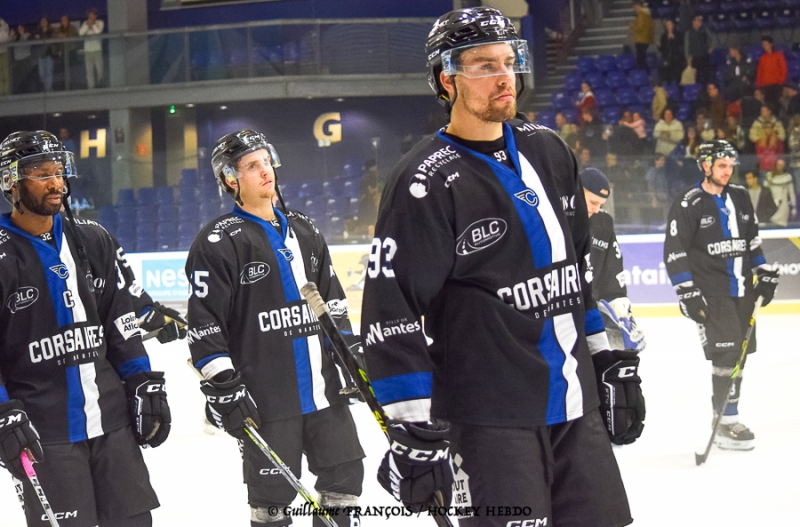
(224, 51)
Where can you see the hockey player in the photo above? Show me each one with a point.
(254, 337)
(712, 250)
(480, 233)
(76, 390)
(608, 282)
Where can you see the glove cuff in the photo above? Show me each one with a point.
(12, 404)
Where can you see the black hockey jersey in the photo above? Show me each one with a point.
(609, 278)
(496, 261)
(712, 241)
(246, 311)
(67, 335)
(141, 300)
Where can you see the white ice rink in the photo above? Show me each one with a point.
(198, 476)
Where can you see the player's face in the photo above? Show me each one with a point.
(492, 98)
(42, 191)
(721, 171)
(256, 177)
(593, 202)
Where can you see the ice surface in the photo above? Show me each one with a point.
(198, 476)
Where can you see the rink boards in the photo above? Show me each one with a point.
(162, 274)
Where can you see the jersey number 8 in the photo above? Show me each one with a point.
(380, 258)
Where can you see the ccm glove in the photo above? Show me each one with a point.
(693, 304)
(148, 402)
(620, 390)
(766, 282)
(417, 464)
(168, 320)
(228, 404)
(17, 434)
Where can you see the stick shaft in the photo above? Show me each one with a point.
(31, 473)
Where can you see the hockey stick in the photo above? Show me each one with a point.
(699, 459)
(250, 430)
(317, 304)
(28, 466)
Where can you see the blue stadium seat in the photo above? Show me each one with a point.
(788, 17)
(561, 101)
(611, 114)
(651, 60)
(595, 79)
(729, 6)
(165, 195)
(314, 207)
(546, 118)
(743, 21)
(765, 19)
(684, 112)
(333, 187)
(603, 97)
(626, 62)
(352, 205)
(645, 94)
(625, 96)
(616, 79)
(310, 188)
(352, 169)
(673, 91)
(754, 52)
(691, 91)
(706, 7)
(337, 206)
(146, 196)
(352, 186)
(718, 57)
(572, 82)
(189, 176)
(126, 196)
(586, 65)
(638, 108)
(720, 23)
(606, 63)
(571, 115)
(794, 68)
(637, 78)
(749, 5)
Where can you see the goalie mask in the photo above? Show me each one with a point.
(35, 156)
(231, 148)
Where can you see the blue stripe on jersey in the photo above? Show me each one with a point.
(726, 232)
(759, 260)
(292, 294)
(594, 322)
(137, 365)
(680, 278)
(551, 351)
(75, 401)
(302, 366)
(538, 240)
(3, 395)
(403, 387)
(202, 362)
(50, 260)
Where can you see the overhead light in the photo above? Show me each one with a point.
(190, 105)
(57, 114)
(172, 110)
(92, 116)
(223, 107)
(339, 100)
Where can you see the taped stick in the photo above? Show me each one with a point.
(31, 473)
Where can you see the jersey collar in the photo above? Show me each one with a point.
(284, 223)
(58, 229)
(511, 146)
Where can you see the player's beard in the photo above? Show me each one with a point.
(491, 110)
(40, 206)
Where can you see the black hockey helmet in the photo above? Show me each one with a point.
(710, 151)
(232, 147)
(463, 28)
(22, 152)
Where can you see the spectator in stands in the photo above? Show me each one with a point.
(751, 108)
(684, 156)
(739, 74)
(590, 134)
(585, 101)
(673, 59)
(762, 201)
(789, 103)
(697, 46)
(772, 72)
(643, 31)
(67, 141)
(717, 107)
(67, 52)
(369, 198)
(47, 54)
(5, 64)
(637, 125)
(585, 158)
(685, 15)
(92, 48)
(703, 127)
(656, 178)
(22, 60)
(793, 144)
(781, 184)
(768, 134)
(531, 116)
(668, 132)
(567, 131)
(734, 133)
(659, 103)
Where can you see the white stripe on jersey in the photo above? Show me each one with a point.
(733, 226)
(567, 336)
(91, 404)
(314, 346)
(78, 311)
(413, 410)
(531, 179)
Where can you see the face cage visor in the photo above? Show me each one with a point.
(518, 60)
(231, 170)
(711, 159)
(38, 167)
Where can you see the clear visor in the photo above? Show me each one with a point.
(236, 168)
(487, 60)
(40, 166)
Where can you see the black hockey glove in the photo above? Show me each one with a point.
(16, 435)
(228, 404)
(693, 304)
(148, 402)
(417, 464)
(620, 390)
(168, 320)
(766, 282)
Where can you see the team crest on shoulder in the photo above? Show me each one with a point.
(215, 236)
(419, 186)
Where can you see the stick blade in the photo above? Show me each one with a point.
(699, 459)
